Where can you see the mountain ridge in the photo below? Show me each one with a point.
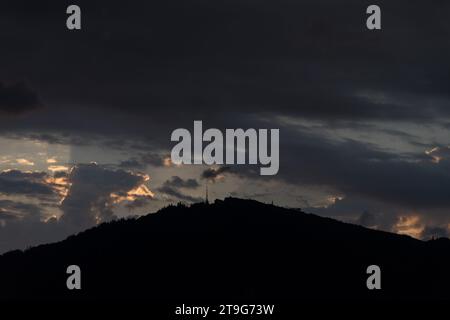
(233, 248)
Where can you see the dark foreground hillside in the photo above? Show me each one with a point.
(232, 250)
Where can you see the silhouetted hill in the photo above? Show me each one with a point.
(231, 250)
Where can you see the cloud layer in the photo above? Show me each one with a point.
(364, 117)
(85, 197)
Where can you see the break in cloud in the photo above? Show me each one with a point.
(81, 198)
(364, 117)
(94, 190)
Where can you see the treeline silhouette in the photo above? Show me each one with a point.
(230, 250)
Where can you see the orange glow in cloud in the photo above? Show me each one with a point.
(61, 185)
(434, 158)
(141, 191)
(409, 225)
(25, 162)
(58, 168)
(167, 162)
(428, 152)
(332, 200)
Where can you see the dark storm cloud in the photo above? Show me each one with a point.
(178, 182)
(17, 98)
(89, 200)
(213, 173)
(156, 160)
(12, 210)
(132, 164)
(353, 167)
(60, 174)
(16, 182)
(171, 188)
(175, 61)
(177, 194)
(7, 216)
(141, 162)
(144, 69)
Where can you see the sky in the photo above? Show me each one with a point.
(86, 116)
